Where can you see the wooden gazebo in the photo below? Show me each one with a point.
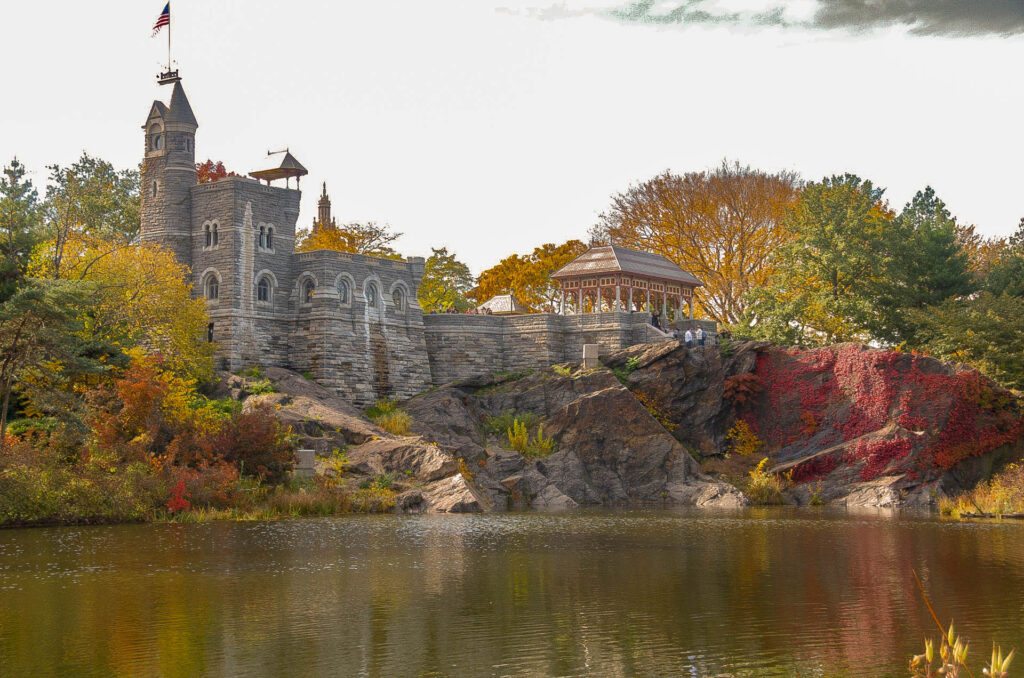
(615, 278)
(286, 168)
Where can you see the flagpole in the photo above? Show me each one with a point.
(168, 36)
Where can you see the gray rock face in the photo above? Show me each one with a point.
(610, 450)
(404, 457)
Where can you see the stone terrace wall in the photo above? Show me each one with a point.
(463, 346)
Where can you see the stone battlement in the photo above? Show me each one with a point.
(463, 346)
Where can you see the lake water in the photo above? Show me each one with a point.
(761, 593)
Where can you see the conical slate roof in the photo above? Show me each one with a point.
(180, 110)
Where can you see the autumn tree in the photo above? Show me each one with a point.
(446, 281)
(89, 200)
(821, 289)
(371, 238)
(723, 226)
(209, 172)
(528, 277)
(19, 225)
(1006, 273)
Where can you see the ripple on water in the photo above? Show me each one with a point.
(632, 593)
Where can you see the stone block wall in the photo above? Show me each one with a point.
(464, 346)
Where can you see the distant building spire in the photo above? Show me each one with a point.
(323, 211)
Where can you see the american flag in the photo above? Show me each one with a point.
(163, 20)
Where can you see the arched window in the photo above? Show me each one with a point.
(399, 299)
(308, 288)
(270, 237)
(343, 291)
(263, 290)
(263, 237)
(212, 288)
(209, 235)
(214, 228)
(371, 294)
(156, 139)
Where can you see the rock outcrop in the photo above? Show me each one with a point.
(610, 450)
(845, 424)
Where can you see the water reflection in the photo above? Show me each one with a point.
(763, 593)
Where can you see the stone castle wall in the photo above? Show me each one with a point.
(463, 346)
(362, 350)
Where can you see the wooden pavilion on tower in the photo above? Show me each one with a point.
(613, 278)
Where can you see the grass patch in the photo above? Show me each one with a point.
(562, 370)
(1001, 495)
(389, 416)
(764, 488)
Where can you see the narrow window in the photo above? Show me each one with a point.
(154, 189)
(371, 294)
(263, 237)
(399, 300)
(209, 333)
(215, 235)
(209, 240)
(307, 292)
(212, 288)
(263, 290)
(270, 236)
(343, 291)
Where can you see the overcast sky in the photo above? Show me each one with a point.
(491, 126)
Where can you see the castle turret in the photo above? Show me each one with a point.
(168, 174)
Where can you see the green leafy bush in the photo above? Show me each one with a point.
(497, 426)
(261, 387)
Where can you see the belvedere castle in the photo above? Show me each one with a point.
(349, 320)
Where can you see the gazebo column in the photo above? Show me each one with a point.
(561, 302)
(579, 306)
(631, 297)
(679, 307)
(599, 309)
(618, 297)
(647, 306)
(689, 302)
(664, 305)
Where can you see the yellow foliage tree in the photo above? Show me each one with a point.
(528, 277)
(723, 226)
(371, 239)
(140, 296)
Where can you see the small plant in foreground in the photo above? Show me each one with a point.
(764, 488)
(816, 499)
(520, 441)
(563, 370)
(261, 387)
(497, 426)
(390, 417)
(951, 660)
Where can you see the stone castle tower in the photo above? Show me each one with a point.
(169, 173)
(350, 320)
